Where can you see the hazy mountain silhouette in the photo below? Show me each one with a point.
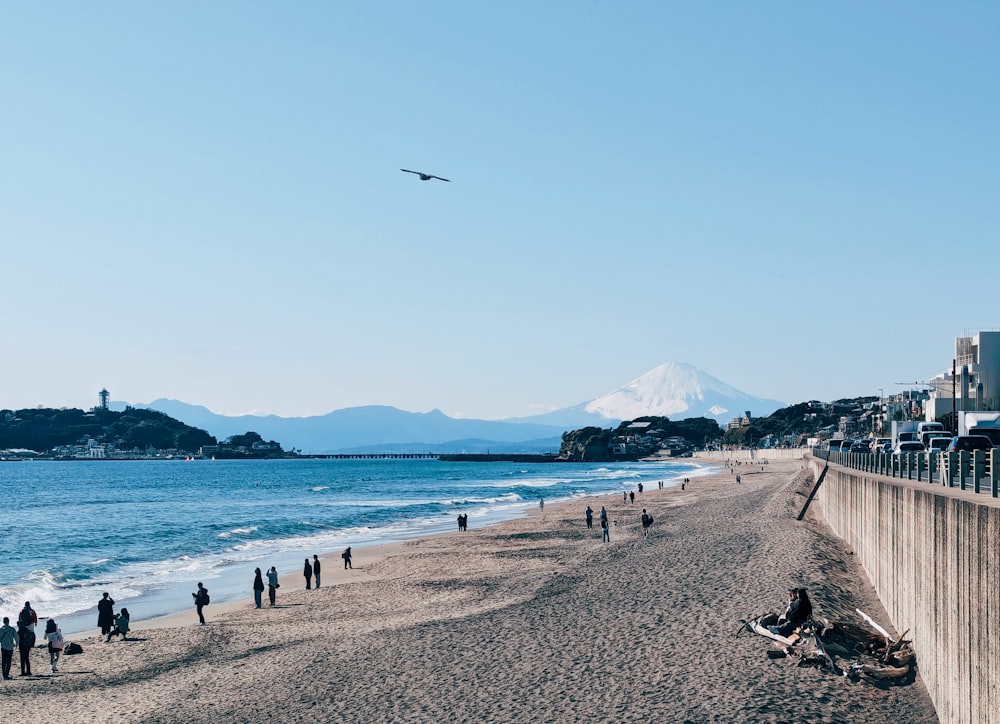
(674, 390)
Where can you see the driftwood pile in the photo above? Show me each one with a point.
(848, 650)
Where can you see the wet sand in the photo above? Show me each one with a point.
(528, 620)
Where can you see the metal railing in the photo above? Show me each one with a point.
(978, 470)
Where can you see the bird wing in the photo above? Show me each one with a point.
(441, 179)
(406, 170)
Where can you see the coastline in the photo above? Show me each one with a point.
(529, 619)
(232, 584)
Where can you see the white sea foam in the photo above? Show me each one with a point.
(238, 531)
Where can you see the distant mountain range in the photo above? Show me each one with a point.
(674, 390)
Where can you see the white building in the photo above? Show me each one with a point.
(977, 377)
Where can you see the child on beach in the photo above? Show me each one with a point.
(54, 636)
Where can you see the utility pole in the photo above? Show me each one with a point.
(954, 409)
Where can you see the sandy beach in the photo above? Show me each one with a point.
(529, 620)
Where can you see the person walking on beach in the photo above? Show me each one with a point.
(121, 626)
(541, 503)
(25, 642)
(346, 555)
(738, 480)
(258, 587)
(647, 520)
(54, 636)
(605, 531)
(604, 515)
(461, 522)
(590, 517)
(624, 497)
(8, 642)
(307, 571)
(272, 584)
(200, 601)
(640, 487)
(316, 569)
(105, 614)
(631, 496)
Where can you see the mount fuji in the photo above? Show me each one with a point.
(676, 389)
(673, 390)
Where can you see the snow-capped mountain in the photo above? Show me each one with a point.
(676, 390)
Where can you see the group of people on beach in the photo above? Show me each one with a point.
(111, 623)
(311, 571)
(23, 638)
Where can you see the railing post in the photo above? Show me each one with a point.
(951, 462)
(921, 464)
(963, 467)
(994, 473)
(978, 468)
(931, 466)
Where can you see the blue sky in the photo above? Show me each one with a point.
(203, 201)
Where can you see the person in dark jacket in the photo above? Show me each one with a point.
(25, 642)
(200, 601)
(105, 614)
(316, 569)
(799, 611)
(307, 571)
(346, 555)
(258, 586)
(272, 584)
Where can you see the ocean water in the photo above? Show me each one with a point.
(147, 531)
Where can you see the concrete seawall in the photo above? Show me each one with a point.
(793, 453)
(933, 556)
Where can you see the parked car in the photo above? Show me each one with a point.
(908, 446)
(970, 442)
(879, 444)
(938, 444)
(931, 434)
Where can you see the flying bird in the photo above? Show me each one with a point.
(425, 176)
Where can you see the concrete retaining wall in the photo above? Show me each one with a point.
(782, 453)
(933, 556)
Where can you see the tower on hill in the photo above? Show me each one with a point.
(105, 396)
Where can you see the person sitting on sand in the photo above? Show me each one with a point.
(798, 612)
(121, 625)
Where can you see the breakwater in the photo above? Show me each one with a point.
(933, 555)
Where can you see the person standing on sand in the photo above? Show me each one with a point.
(624, 497)
(604, 515)
(541, 503)
(56, 642)
(631, 496)
(346, 555)
(606, 533)
(25, 642)
(8, 642)
(258, 587)
(272, 584)
(200, 601)
(316, 569)
(307, 571)
(105, 614)
(647, 520)
(590, 517)
(28, 617)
